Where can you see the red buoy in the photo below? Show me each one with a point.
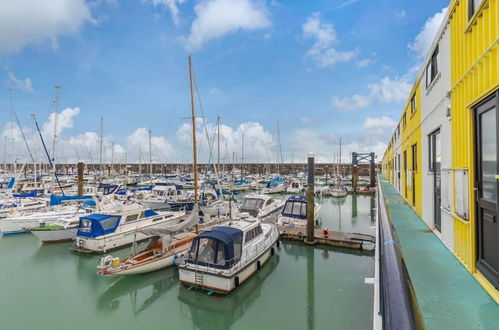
(325, 232)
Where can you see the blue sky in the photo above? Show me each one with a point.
(322, 69)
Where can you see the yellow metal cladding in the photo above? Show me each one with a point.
(411, 137)
(474, 76)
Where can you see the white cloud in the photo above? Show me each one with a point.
(324, 34)
(29, 22)
(138, 143)
(216, 18)
(258, 142)
(171, 5)
(60, 121)
(401, 14)
(21, 84)
(362, 63)
(424, 39)
(215, 91)
(386, 90)
(306, 140)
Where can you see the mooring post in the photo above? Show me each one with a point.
(80, 179)
(310, 198)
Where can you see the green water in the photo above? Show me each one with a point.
(50, 287)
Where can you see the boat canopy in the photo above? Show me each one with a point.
(219, 247)
(95, 225)
(252, 205)
(295, 207)
(57, 200)
(25, 195)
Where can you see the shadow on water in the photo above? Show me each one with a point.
(221, 312)
(136, 289)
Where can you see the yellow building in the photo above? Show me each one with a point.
(475, 82)
(443, 155)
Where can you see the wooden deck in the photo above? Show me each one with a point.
(334, 238)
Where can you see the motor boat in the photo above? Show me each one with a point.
(294, 212)
(100, 232)
(339, 190)
(260, 206)
(222, 258)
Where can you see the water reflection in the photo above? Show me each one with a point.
(142, 291)
(221, 312)
(354, 206)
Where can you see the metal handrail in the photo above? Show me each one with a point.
(398, 305)
(236, 262)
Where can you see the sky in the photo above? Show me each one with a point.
(299, 74)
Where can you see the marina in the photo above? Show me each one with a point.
(249, 164)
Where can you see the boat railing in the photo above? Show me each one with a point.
(395, 301)
(238, 262)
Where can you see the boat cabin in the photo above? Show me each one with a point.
(167, 190)
(95, 225)
(220, 247)
(253, 204)
(295, 207)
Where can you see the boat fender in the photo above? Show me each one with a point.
(325, 232)
(278, 244)
(258, 265)
(236, 281)
(175, 257)
(201, 219)
(272, 251)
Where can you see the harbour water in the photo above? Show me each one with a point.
(50, 287)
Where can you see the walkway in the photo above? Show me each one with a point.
(448, 295)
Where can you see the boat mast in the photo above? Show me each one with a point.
(218, 141)
(278, 149)
(150, 157)
(56, 106)
(100, 151)
(193, 119)
(242, 156)
(339, 171)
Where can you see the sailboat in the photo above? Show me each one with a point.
(162, 251)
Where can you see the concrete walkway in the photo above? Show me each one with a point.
(448, 295)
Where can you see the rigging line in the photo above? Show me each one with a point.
(24, 138)
(206, 131)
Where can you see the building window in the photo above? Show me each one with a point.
(473, 6)
(404, 121)
(434, 150)
(432, 68)
(413, 103)
(398, 129)
(415, 157)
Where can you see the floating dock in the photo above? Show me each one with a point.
(333, 238)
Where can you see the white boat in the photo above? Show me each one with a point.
(162, 195)
(260, 206)
(14, 207)
(274, 186)
(163, 250)
(295, 187)
(294, 212)
(322, 190)
(63, 230)
(339, 190)
(222, 258)
(23, 223)
(100, 232)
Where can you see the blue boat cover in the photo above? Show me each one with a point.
(56, 200)
(225, 242)
(223, 234)
(11, 183)
(295, 207)
(28, 194)
(95, 225)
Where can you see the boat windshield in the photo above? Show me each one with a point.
(208, 251)
(252, 206)
(295, 209)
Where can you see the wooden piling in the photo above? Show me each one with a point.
(310, 198)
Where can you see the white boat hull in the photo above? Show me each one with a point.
(124, 235)
(55, 235)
